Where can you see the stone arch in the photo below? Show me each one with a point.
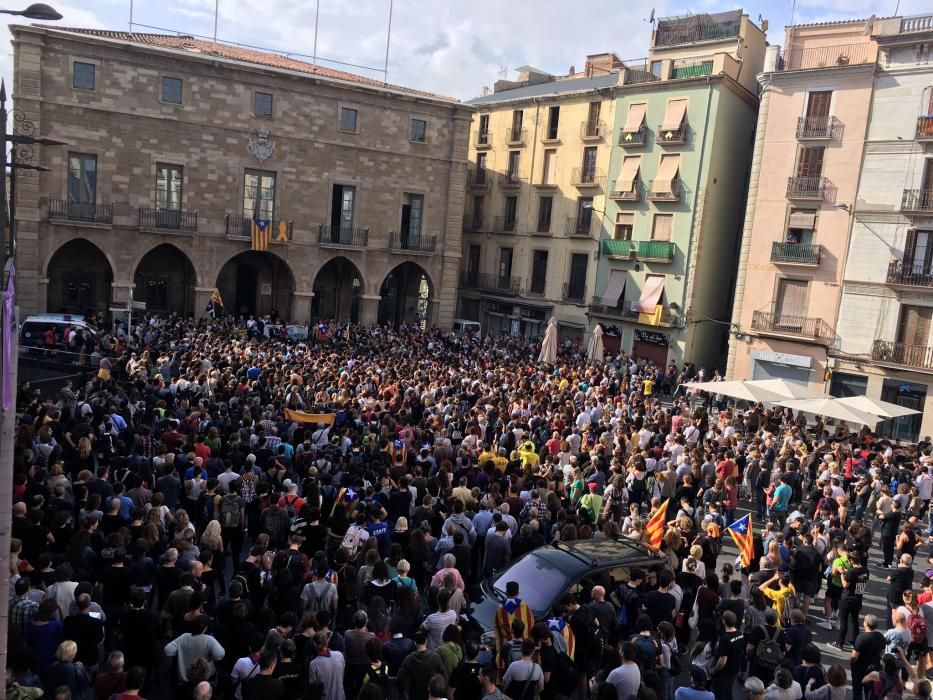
(163, 283)
(256, 283)
(338, 286)
(406, 293)
(80, 278)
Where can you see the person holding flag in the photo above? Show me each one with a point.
(654, 530)
(742, 533)
(215, 307)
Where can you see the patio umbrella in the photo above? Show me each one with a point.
(885, 409)
(782, 387)
(739, 390)
(549, 344)
(829, 407)
(594, 350)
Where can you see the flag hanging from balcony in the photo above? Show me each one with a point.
(215, 307)
(261, 233)
(283, 232)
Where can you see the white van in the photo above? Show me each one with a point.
(32, 333)
(462, 325)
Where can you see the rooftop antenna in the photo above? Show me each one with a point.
(793, 10)
(317, 12)
(216, 13)
(385, 72)
(131, 16)
(503, 72)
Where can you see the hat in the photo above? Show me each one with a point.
(593, 486)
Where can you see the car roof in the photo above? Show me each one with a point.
(61, 318)
(608, 551)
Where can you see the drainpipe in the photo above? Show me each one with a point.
(693, 244)
(752, 199)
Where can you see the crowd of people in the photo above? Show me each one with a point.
(218, 514)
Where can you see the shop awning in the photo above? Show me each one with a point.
(802, 219)
(628, 174)
(650, 294)
(615, 286)
(674, 115)
(667, 171)
(635, 118)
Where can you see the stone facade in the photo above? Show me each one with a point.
(74, 257)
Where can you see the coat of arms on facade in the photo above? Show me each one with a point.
(261, 146)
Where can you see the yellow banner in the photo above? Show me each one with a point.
(302, 417)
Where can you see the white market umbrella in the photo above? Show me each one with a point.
(594, 350)
(829, 407)
(739, 390)
(885, 409)
(782, 387)
(549, 344)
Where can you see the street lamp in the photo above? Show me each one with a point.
(38, 10)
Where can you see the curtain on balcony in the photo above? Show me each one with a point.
(635, 118)
(650, 294)
(667, 171)
(628, 174)
(802, 219)
(615, 287)
(674, 115)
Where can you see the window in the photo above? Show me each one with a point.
(656, 69)
(343, 206)
(412, 209)
(514, 160)
(545, 207)
(82, 178)
(479, 204)
(549, 172)
(482, 136)
(589, 164)
(480, 168)
(473, 258)
(661, 227)
(83, 77)
(168, 186)
(791, 303)
(348, 119)
(918, 252)
(511, 211)
(262, 104)
(576, 286)
(538, 271)
(584, 214)
(505, 263)
(258, 195)
(625, 225)
(818, 104)
(593, 113)
(810, 162)
(419, 130)
(553, 119)
(800, 226)
(171, 90)
(518, 117)
(913, 327)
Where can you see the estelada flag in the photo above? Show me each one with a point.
(742, 531)
(654, 530)
(215, 307)
(261, 233)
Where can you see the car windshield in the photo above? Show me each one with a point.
(539, 582)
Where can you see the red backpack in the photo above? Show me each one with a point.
(917, 625)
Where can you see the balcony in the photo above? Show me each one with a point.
(574, 292)
(806, 187)
(241, 227)
(592, 130)
(838, 55)
(482, 140)
(472, 224)
(818, 128)
(691, 67)
(412, 243)
(666, 194)
(795, 253)
(673, 137)
(510, 181)
(80, 213)
(504, 224)
(167, 220)
(579, 226)
(585, 178)
(343, 236)
(516, 137)
(655, 251)
(633, 139)
(917, 202)
(689, 29)
(614, 248)
(781, 325)
(479, 179)
(924, 130)
(920, 23)
(910, 275)
(487, 282)
(661, 316)
(918, 356)
(633, 195)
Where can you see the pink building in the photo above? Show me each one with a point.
(804, 177)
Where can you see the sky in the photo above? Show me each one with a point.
(450, 47)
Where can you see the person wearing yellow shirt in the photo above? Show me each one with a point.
(647, 385)
(528, 455)
(779, 596)
(500, 461)
(486, 455)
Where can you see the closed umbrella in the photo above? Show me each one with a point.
(885, 409)
(829, 407)
(549, 344)
(594, 350)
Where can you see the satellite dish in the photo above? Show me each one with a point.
(869, 24)
(651, 17)
(764, 26)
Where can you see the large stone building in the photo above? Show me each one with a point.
(176, 145)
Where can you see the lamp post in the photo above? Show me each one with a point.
(22, 140)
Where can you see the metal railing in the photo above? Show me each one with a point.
(483, 139)
(168, 220)
(806, 187)
(687, 30)
(242, 227)
(673, 137)
(633, 138)
(795, 253)
(806, 326)
(618, 249)
(479, 178)
(417, 242)
(80, 212)
(507, 180)
(917, 200)
(691, 67)
(536, 288)
(581, 226)
(516, 136)
(917, 275)
(924, 127)
(818, 127)
(587, 177)
(574, 292)
(903, 354)
(638, 73)
(655, 250)
(827, 56)
(595, 129)
(668, 318)
(343, 235)
(669, 194)
(490, 282)
(504, 224)
(472, 224)
(633, 195)
(923, 23)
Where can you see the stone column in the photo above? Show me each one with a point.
(202, 297)
(42, 298)
(301, 307)
(434, 306)
(369, 309)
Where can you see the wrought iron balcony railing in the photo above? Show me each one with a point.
(795, 253)
(177, 220)
(806, 187)
(343, 236)
(80, 212)
(903, 354)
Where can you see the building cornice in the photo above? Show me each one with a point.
(807, 74)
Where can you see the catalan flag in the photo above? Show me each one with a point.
(261, 233)
(512, 609)
(559, 626)
(215, 307)
(741, 531)
(654, 530)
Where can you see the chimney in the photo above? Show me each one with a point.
(572, 71)
(602, 64)
(486, 90)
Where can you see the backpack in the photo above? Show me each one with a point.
(646, 652)
(293, 564)
(511, 651)
(351, 541)
(290, 507)
(566, 672)
(380, 678)
(676, 664)
(241, 579)
(791, 603)
(627, 596)
(229, 511)
(917, 625)
(316, 603)
(769, 652)
(880, 687)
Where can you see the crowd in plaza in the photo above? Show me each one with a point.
(221, 514)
